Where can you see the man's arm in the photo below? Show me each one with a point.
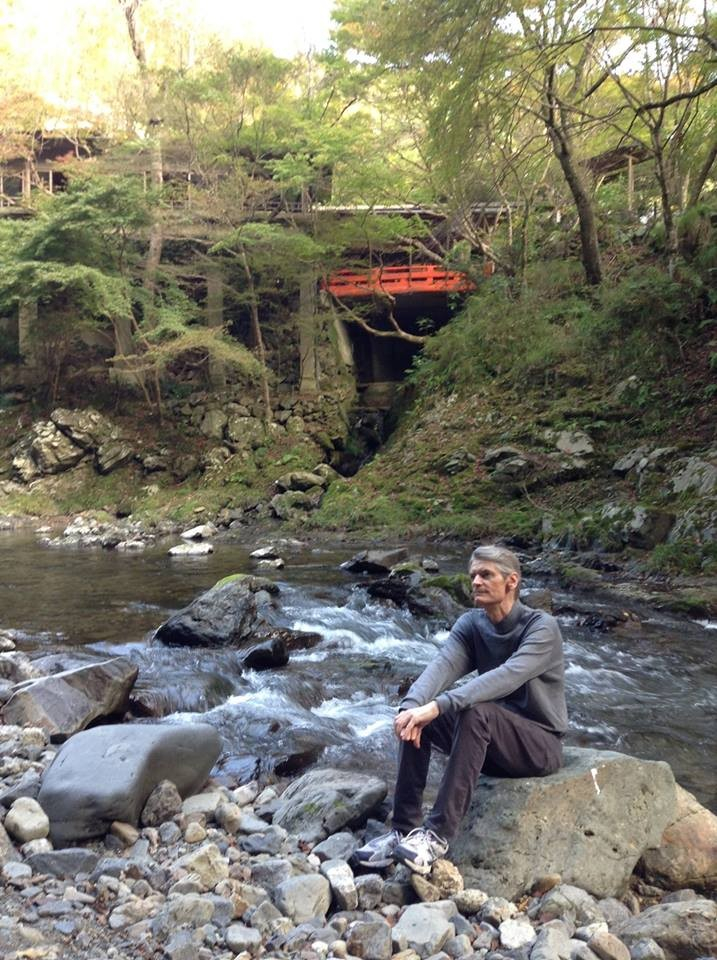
(450, 663)
(539, 651)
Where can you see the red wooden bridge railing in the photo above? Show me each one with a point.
(416, 278)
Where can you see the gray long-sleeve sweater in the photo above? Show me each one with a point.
(519, 664)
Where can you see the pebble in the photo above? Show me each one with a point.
(27, 821)
(195, 832)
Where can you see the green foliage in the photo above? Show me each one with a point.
(646, 296)
(557, 328)
(684, 556)
(76, 249)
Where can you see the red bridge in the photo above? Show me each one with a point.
(417, 278)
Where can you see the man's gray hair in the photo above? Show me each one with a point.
(504, 559)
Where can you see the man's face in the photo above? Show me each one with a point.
(489, 585)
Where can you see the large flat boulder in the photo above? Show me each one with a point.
(66, 702)
(107, 774)
(323, 801)
(230, 613)
(590, 822)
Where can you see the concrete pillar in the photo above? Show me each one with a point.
(306, 322)
(215, 319)
(343, 343)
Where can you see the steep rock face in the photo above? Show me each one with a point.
(107, 774)
(590, 822)
(229, 613)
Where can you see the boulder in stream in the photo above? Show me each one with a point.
(375, 561)
(230, 613)
(107, 774)
(67, 702)
(419, 596)
(590, 822)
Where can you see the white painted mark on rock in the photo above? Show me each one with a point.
(593, 771)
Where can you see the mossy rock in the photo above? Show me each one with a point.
(457, 585)
(573, 575)
(254, 583)
(693, 604)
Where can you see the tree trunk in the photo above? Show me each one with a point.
(700, 178)
(563, 149)
(156, 238)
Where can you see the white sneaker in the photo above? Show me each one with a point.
(420, 849)
(379, 851)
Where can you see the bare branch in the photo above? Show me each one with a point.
(397, 333)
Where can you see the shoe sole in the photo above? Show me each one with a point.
(378, 864)
(414, 867)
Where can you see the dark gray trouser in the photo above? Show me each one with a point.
(484, 738)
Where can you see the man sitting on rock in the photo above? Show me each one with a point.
(507, 719)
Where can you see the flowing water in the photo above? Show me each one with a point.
(649, 690)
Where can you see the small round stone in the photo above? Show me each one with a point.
(195, 833)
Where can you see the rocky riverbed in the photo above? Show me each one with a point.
(241, 871)
(608, 859)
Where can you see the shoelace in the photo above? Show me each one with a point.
(426, 836)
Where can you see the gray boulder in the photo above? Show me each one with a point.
(286, 505)
(323, 801)
(230, 613)
(112, 455)
(213, 423)
(419, 596)
(590, 822)
(341, 878)
(87, 429)
(8, 853)
(375, 561)
(648, 526)
(684, 930)
(304, 897)
(300, 480)
(107, 774)
(496, 454)
(370, 939)
(24, 467)
(51, 450)
(64, 863)
(423, 929)
(246, 432)
(67, 702)
(339, 846)
(695, 475)
(575, 443)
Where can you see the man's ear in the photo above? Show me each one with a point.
(512, 581)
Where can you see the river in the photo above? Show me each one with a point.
(648, 691)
